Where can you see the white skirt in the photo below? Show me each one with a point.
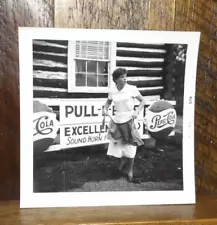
(118, 149)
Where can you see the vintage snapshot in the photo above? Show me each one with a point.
(107, 117)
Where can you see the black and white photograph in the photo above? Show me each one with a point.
(112, 113)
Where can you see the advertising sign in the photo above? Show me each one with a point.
(81, 122)
(45, 125)
(84, 134)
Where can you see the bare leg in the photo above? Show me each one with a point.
(130, 171)
(122, 163)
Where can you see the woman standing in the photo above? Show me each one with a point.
(123, 135)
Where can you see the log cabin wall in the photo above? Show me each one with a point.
(49, 68)
(145, 65)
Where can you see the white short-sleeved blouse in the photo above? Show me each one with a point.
(124, 101)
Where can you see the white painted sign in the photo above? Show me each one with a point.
(77, 111)
(86, 134)
(81, 122)
(75, 135)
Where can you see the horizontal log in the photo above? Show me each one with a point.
(127, 63)
(39, 92)
(155, 91)
(49, 75)
(138, 64)
(142, 78)
(148, 73)
(50, 57)
(60, 83)
(55, 89)
(62, 75)
(49, 48)
(140, 45)
(52, 94)
(139, 59)
(146, 83)
(58, 42)
(50, 69)
(149, 88)
(140, 54)
(139, 68)
(55, 83)
(56, 102)
(145, 50)
(51, 53)
(48, 63)
(49, 43)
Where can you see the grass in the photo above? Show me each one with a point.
(88, 169)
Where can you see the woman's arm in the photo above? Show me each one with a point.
(140, 107)
(106, 107)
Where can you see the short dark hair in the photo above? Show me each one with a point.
(118, 72)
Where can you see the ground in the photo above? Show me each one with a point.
(89, 169)
(67, 170)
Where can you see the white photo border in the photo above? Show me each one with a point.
(29, 199)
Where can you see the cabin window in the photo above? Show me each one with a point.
(89, 65)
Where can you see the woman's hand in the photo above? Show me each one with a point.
(135, 114)
(105, 108)
(104, 112)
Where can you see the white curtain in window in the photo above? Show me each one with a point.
(98, 50)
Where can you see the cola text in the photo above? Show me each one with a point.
(43, 125)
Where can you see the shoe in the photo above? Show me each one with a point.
(130, 177)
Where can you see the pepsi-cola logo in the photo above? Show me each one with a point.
(160, 121)
(43, 125)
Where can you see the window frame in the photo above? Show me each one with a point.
(72, 70)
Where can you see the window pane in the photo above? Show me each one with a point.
(80, 79)
(103, 80)
(91, 66)
(91, 80)
(80, 66)
(102, 67)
